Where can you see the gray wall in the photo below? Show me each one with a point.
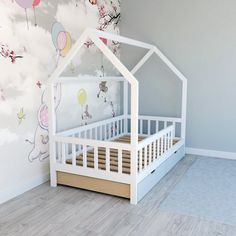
(200, 38)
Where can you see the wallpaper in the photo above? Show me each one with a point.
(34, 36)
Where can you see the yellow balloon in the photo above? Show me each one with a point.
(82, 97)
(67, 48)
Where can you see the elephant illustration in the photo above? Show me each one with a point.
(40, 144)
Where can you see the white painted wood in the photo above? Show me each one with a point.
(84, 155)
(88, 141)
(158, 161)
(73, 155)
(95, 158)
(108, 159)
(120, 39)
(184, 109)
(119, 160)
(125, 105)
(142, 61)
(88, 79)
(140, 160)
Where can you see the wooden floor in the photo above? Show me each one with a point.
(68, 211)
(113, 156)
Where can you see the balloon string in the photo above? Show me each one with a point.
(35, 23)
(26, 19)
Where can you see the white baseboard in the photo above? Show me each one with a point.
(22, 188)
(211, 153)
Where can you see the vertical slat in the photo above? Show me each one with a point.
(100, 132)
(96, 133)
(119, 160)
(140, 160)
(145, 157)
(149, 127)
(162, 145)
(171, 138)
(63, 150)
(168, 140)
(157, 126)
(118, 127)
(165, 145)
(84, 156)
(165, 124)
(141, 126)
(59, 152)
(158, 148)
(107, 159)
(95, 158)
(154, 150)
(150, 153)
(73, 154)
(175, 129)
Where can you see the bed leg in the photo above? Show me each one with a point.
(53, 178)
(133, 194)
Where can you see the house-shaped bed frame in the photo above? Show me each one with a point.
(125, 155)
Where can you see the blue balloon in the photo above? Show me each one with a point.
(56, 29)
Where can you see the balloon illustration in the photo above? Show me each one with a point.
(56, 29)
(67, 47)
(61, 40)
(82, 97)
(25, 4)
(35, 4)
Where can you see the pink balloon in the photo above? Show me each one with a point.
(25, 3)
(61, 40)
(36, 3)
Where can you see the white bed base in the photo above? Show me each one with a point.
(58, 161)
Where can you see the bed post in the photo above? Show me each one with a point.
(125, 105)
(134, 141)
(184, 110)
(52, 131)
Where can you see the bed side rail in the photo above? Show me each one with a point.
(149, 125)
(101, 130)
(154, 147)
(93, 157)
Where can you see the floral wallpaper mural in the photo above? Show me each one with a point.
(34, 36)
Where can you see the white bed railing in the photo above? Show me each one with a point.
(101, 130)
(149, 125)
(90, 150)
(153, 147)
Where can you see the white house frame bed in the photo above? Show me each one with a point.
(125, 155)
